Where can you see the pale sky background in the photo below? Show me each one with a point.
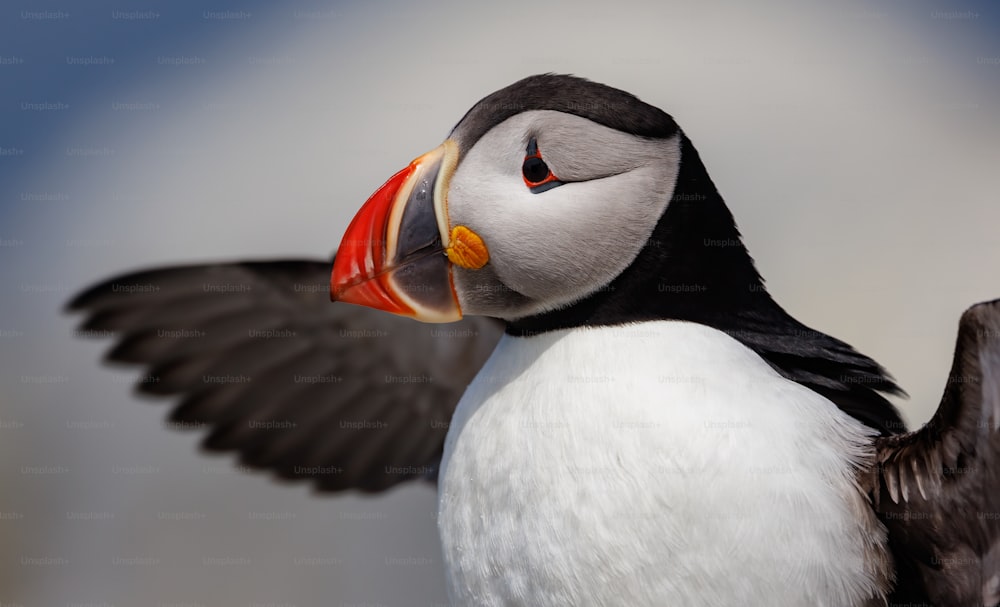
(857, 145)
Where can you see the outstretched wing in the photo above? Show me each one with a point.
(341, 395)
(938, 488)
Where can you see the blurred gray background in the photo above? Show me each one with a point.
(858, 146)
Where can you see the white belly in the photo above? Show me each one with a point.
(653, 464)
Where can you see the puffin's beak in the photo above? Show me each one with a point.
(393, 256)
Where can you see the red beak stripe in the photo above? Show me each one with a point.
(359, 267)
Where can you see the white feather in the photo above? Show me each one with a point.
(660, 463)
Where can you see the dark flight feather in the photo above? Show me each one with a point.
(937, 489)
(339, 395)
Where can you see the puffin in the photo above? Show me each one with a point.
(617, 412)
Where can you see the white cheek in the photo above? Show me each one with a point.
(557, 246)
(483, 203)
(577, 237)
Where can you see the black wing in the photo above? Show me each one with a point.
(340, 395)
(824, 364)
(938, 488)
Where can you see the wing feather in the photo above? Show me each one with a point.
(339, 395)
(938, 488)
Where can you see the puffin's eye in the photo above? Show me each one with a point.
(535, 170)
(537, 175)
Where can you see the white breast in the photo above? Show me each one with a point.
(652, 464)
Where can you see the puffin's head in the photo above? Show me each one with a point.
(543, 194)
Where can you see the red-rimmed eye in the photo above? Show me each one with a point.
(537, 175)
